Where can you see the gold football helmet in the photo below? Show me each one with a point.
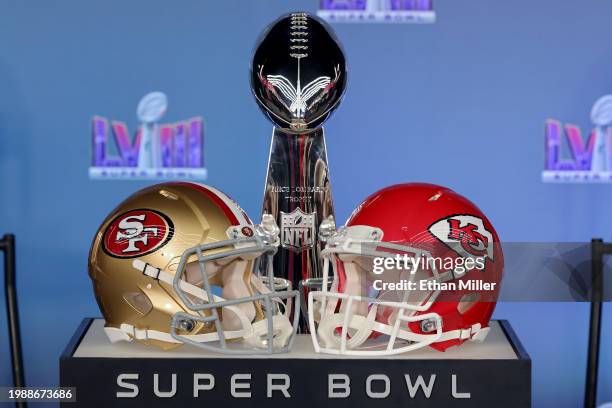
(174, 264)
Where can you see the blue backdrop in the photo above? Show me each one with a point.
(461, 102)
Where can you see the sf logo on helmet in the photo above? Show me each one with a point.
(137, 233)
(465, 234)
(133, 230)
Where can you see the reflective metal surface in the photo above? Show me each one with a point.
(298, 72)
(298, 77)
(298, 195)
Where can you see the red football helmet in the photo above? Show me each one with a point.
(415, 265)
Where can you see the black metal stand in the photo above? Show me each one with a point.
(598, 250)
(7, 245)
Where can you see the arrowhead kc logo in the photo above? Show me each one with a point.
(465, 234)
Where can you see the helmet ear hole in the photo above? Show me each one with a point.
(138, 301)
(467, 302)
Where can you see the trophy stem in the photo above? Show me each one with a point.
(298, 195)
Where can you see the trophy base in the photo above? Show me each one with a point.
(496, 373)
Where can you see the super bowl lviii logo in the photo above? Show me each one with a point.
(157, 150)
(375, 11)
(580, 160)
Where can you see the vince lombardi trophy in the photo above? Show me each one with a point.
(298, 77)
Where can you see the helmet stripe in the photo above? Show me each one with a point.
(220, 199)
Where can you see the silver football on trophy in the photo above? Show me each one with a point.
(298, 72)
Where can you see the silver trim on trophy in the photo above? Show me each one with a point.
(298, 77)
(298, 196)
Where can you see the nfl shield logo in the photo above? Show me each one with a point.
(297, 230)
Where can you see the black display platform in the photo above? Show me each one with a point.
(495, 373)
